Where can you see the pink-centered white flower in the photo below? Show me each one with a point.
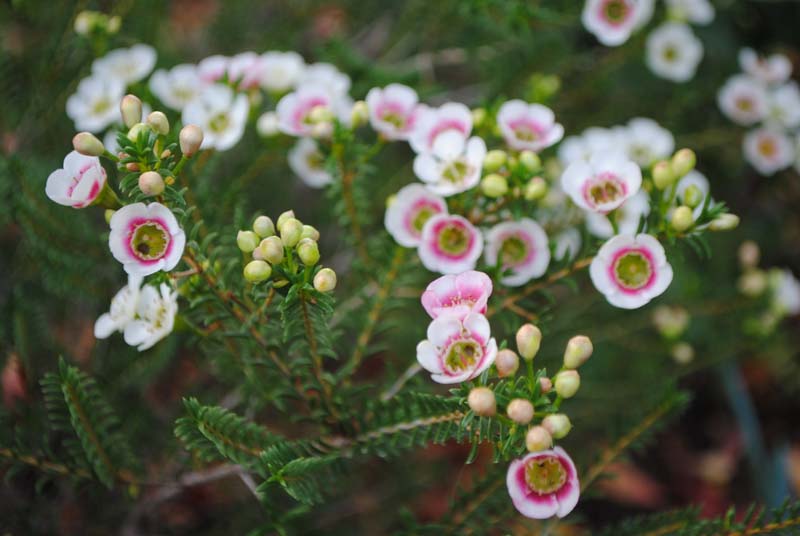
(592, 140)
(603, 183)
(213, 68)
(611, 21)
(627, 217)
(528, 126)
(221, 114)
(146, 238)
(245, 70)
(768, 150)
(301, 112)
(450, 244)
(308, 162)
(453, 167)
(155, 317)
(95, 104)
(407, 214)
(457, 295)
(646, 141)
(743, 99)
(435, 127)
(774, 69)
(78, 183)
(520, 248)
(280, 71)
(673, 52)
(457, 349)
(122, 310)
(543, 484)
(127, 65)
(177, 87)
(393, 110)
(783, 109)
(325, 76)
(631, 270)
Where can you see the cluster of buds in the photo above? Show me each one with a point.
(286, 249)
(671, 322)
(517, 173)
(89, 23)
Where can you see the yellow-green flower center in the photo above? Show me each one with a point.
(150, 241)
(421, 217)
(463, 355)
(456, 171)
(454, 240)
(513, 251)
(219, 123)
(633, 270)
(394, 119)
(616, 11)
(545, 475)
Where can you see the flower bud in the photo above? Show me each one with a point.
(538, 439)
(670, 322)
(494, 185)
(325, 280)
(529, 338)
(567, 383)
(693, 196)
(267, 125)
(113, 23)
(320, 114)
(682, 218)
(322, 130)
(310, 232)
(683, 162)
(535, 189)
(507, 363)
(663, 175)
(271, 250)
(520, 411)
(724, 222)
(749, 254)
(247, 241)
(557, 424)
(135, 130)
(482, 402)
(494, 160)
(359, 114)
(545, 384)
(257, 271)
(290, 232)
(158, 122)
(151, 183)
(84, 22)
(308, 251)
(191, 138)
(87, 144)
(131, 109)
(478, 116)
(683, 353)
(530, 160)
(753, 283)
(107, 215)
(132, 166)
(579, 349)
(283, 217)
(263, 226)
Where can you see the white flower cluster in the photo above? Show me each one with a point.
(763, 98)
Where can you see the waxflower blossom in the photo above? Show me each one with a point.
(155, 317)
(325, 76)
(567, 243)
(631, 270)
(785, 291)
(122, 310)
(694, 11)
(611, 21)
(784, 106)
(146, 238)
(592, 140)
(177, 87)
(213, 68)
(673, 52)
(520, 248)
(221, 114)
(543, 484)
(450, 244)
(280, 71)
(127, 65)
(743, 100)
(768, 150)
(457, 350)
(453, 167)
(627, 217)
(308, 162)
(244, 70)
(407, 214)
(436, 127)
(647, 141)
(457, 295)
(78, 183)
(603, 183)
(393, 110)
(528, 126)
(95, 104)
(774, 69)
(301, 111)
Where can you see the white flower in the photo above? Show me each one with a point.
(304, 111)
(155, 317)
(327, 77)
(457, 350)
(743, 99)
(627, 217)
(694, 11)
(699, 181)
(95, 104)
(267, 124)
(146, 238)
(673, 52)
(592, 140)
(245, 70)
(454, 167)
(213, 68)
(784, 106)
(221, 114)
(393, 110)
(280, 71)
(768, 150)
(528, 126)
(644, 12)
(441, 125)
(178, 86)
(774, 69)
(521, 248)
(78, 183)
(450, 244)
(647, 141)
(611, 21)
(126, 65)
(407, 214)
(631, 270)
(308, 162)
(567, 244)
(785, 291)
(122, 310)
(603, 183)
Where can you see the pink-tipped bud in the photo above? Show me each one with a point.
(87, 144)
(190, 138)
(325, 280)
(545, 384)
(529, 338)
(481, 400)
(749, 254)
(151, 183)
(538, 439)
(567, 383)
(507, 363)
(558, 425)
(131, 109)
(520, 411)
(579, 349)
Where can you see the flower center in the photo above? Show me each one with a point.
(315, 160)
(453, 239)
(744, 104)
(513, 251)
(394, 119)
(525, 133)
(456, 171)
(422, 216)
(149, 241)
(545, 475)
(670, 53)
(616, 11)
(633, 270)
(607, 188)
(219, 123)
(462, 355)
(767, 148)
(100, 106)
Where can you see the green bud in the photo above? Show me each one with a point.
(247, 241)
(87, 144)
(535, 189)
(158, 122)
(325, 280)
(271, 250)
(291, 230)
(359, 115)
(482, 402)
(283, 217)
(478, 117)
(683, 353)
(567, 383)
(579, 349)
(530, 160)
(670, 321)
(135, 130)
(558, 425)
(151, 183)
(663, 176)
(131, 109)
(753, 283)
(506, 362)
(538, 439)
(257, 271)
(308, 251)
(520, 411)
(107, 214)
(724, 222)
(263, 226)
(190, 138)
(682, 218)
(113, 24)
(683, 162)
(494, 185)
(529, 338)
(267, 125)
(693, 196)
(310, 232)
(320, 114)
(494, 160)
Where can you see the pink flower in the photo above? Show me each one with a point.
(146, 238)
(450, 244)
(78, 183)
(457, 350)
(393, 110)
(213, 68)
(521, 247)
(611, 21)
(412, 207)
(458, 295)
(528, 126)
(543, 484)
(245, 70)
(300, 111)
(603, 183)
(436, 126)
